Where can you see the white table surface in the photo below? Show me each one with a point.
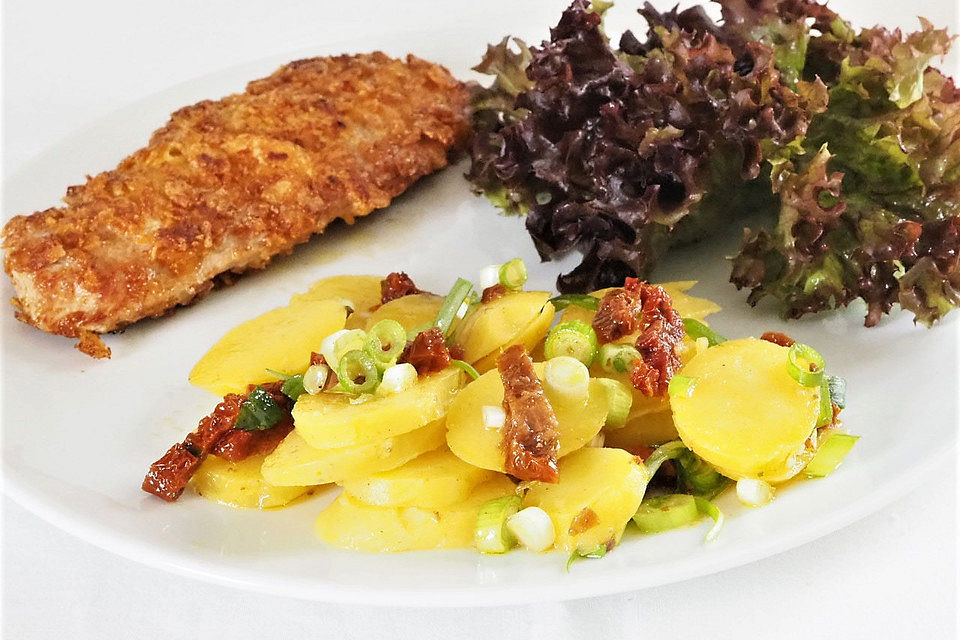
(891, 575)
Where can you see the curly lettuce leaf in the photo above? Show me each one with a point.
(886, 156)
(610, 149)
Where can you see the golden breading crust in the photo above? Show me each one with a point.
(226, 185)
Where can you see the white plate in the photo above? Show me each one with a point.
(79, 434)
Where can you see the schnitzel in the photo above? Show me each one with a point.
(226, 185)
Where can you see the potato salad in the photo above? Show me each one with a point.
(494, 418)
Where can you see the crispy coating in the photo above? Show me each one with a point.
(226, 185)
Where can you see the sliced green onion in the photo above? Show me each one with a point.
(754, 493)
(491, 534)
(293, 387)
(282, 376)
(593, 553)
(838, 390)
(466, 366)
(489, 276)
(492, 416)
(826, 406)
(619, 402)
(575, 300)
(451, 304)
(315, 378)
(567, 377)
(830, 454)
(707, 508)
(667, 451)
(618, 358)
(513, 274)
(397, 378)
(805, 365)
(533, 528)
(358, 372)
(663, 513)
(697, 474)
(385, 341)
(339, 342)
(576, 339)
(681, 386)
(696, 329)
(258, 412)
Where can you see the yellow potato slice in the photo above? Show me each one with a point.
(434, 480)
(332, 420)
(281, 339)
(529, 338)
(351, 524)
(475, 444)
(294, 462)
(410, 311)
(745, 415)
(648, 430)
(599, 491)
(496, 324)
(362, 291)
(240, 484)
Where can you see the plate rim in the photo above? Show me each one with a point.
(588, 584)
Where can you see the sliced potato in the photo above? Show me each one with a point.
(295, 462)
(410, 311)
(648, 430)
(350, 524)
(598, 492)
(362, 291)
(332, 420)
(529, 338)
(745, 415)
(240, 484)
(281, 339)
(480, 446)
(434, 480)
(496, 324)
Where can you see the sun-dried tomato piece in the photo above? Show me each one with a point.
(531, 434)
(776, 337)
(456, 351)
(237, 445)
(617, 314)
(168, 476)
(661, 331)
(492, 293)
(216, 425)
(396, 285)
(428, 352)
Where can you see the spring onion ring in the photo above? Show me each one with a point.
(707, 508)
(513, 274)
(576, 339)
(356, 365)
(696, 329)
(618, 358)
(805, 365)
(830, 454)
(385, 342)
(451, 304)
(662, 513)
